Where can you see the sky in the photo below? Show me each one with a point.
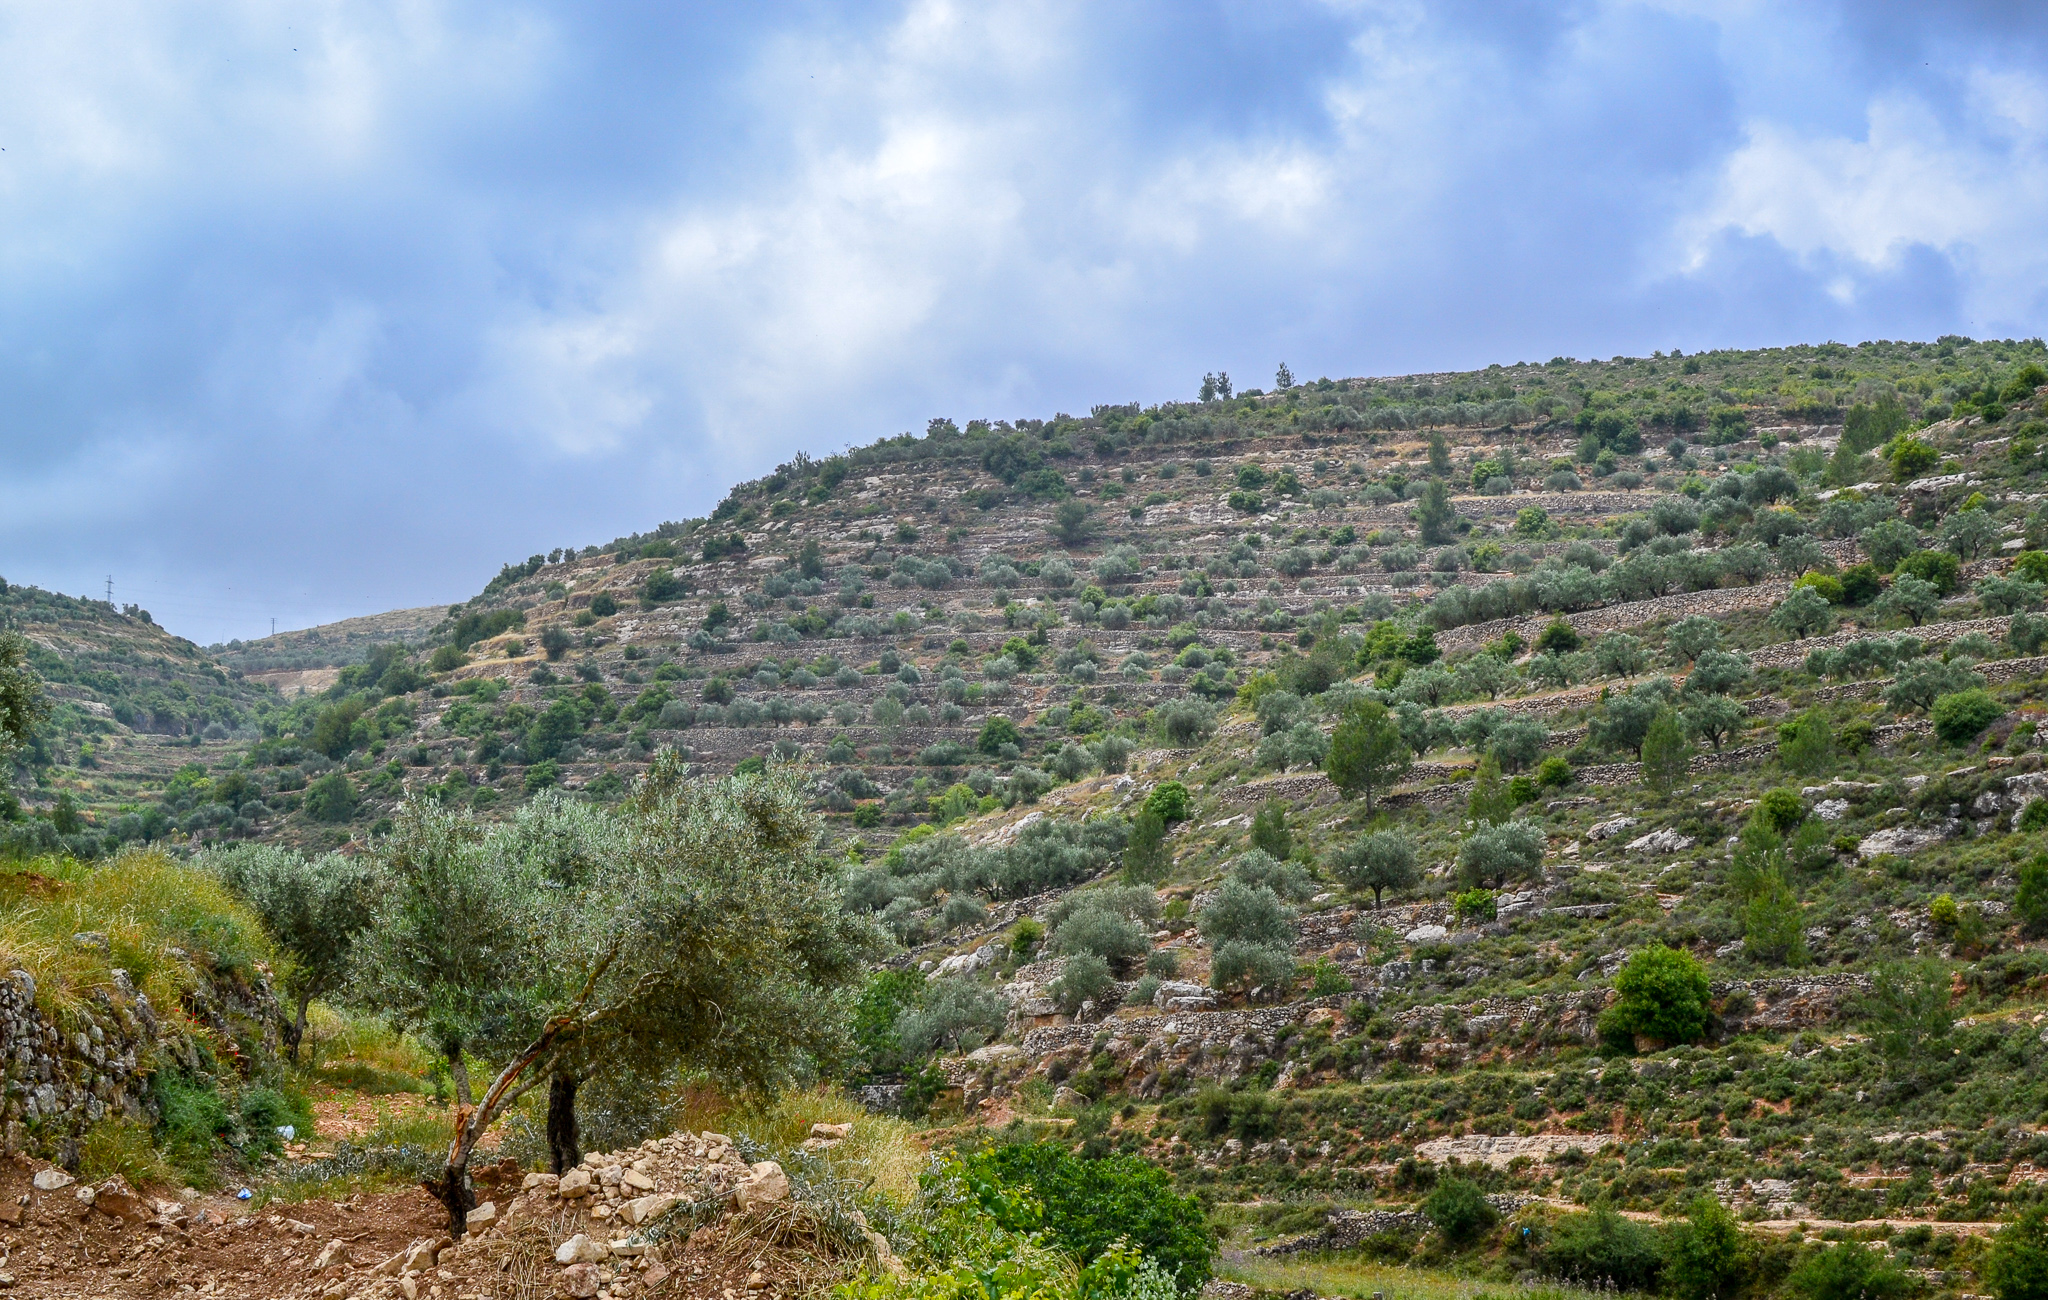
(310, 310)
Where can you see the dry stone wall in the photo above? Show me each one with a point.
(61, 1074)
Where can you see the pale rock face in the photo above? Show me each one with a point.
(334, 1252)
(52, 1180)
(1426, 934)
(642, 1209)
(1664, 841)
(483, 1216)
(1831, 810)
(1905, 839)
(1608, 829)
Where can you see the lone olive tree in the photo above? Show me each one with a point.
(316, 909)
(703, 928)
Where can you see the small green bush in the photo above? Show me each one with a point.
(1664, 994)
(1849, 1272)
(1780, 810)
(1962, 717)
(1086, 1205)
(1604, 1250)
(1459, 1210)
(1169, 800)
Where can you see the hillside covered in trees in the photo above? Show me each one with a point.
(1574, 822)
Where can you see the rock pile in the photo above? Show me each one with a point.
(618, 1225)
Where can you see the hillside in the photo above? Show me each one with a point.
(1707, 855)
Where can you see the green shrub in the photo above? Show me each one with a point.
(1475, 905)
(1603, 1250)
(1663, 995)
(1849, 1272)
(1940, 568)
(1085, 1205)
(1962, 717)
(1269, 829)
(1459, 1210)
(192, 1119)
(2030, 903)
(1169, 800)
(1780, 811)
(2016, 1267)
(332, 798)
(1703, 1256)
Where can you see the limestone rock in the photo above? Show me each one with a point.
(764, 1185)
(1426, 934)
(1906, 839)
(832, 1132)
(1608, 829)
(580, 1281)
(1664, 841)
(483, 1216)
(644, 1208)
(1831, 810)
(581, 1249)
(334, 1252)
(573, 1184)
(53, 1180)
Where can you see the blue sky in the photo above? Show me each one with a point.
(311, 310)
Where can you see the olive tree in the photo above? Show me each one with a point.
(710, 935)
(1493, 855)
(1380, 861)
(315, 908)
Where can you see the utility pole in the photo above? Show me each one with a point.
(273, 627)
(110, 589)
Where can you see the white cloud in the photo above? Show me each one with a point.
(1971, 184)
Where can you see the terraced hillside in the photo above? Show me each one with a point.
(132, 705)
(1607, 782)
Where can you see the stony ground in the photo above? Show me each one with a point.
(683, 1216)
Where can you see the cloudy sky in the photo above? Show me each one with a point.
(311, 310)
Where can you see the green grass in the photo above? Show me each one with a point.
(147, 904)
(1349, 1277)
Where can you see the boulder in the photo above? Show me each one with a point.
(1426, 934)
(52, 1180)
(765, 1184)
(483, 1216)
(581, 1249)
(334, 1252)
(1664, 841)
(832, 1132)
(641, 1209)
(1606, 829)
(1905, 839)
(115, 1199)
(580, 1281)
(574, 1184)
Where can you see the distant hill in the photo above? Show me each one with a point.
(328, 646)
(854, 610)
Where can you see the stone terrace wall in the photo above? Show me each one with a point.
(59, 1076)
(1715, 602)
